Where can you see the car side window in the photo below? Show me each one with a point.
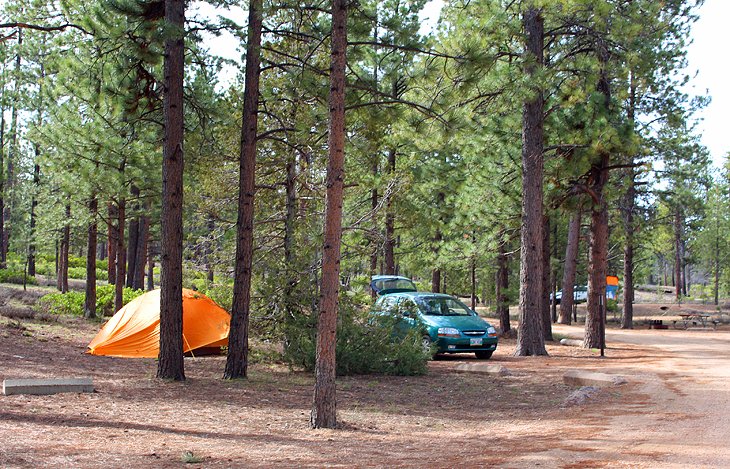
(389, 304)
(407, 307)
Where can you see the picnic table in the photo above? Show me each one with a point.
(694, 319)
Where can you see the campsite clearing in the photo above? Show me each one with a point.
(445, 418)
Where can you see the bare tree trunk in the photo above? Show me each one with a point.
(170, 364)
(473, 270)
(389, 248)
(237, 360)
(569, 270)
(291, 213)
(150, 268)
(598, 254)
(501, 285)
(62, 279)
(133, 240)
(112, 234)
(121, 271)
(141, 251)
(33, 207)
(677, 255)
(717, 259)
(324, 408)
(8, 205)
(628, 207)
(210, 274)
(375, 244)
(3, 252)
(530, 336)
(91, 241)
(547, 323)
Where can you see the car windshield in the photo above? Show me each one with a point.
(442, 306)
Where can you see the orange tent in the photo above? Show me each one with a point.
(134, 331)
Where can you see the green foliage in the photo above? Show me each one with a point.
(15, 275)
(364, 346)
(611, 305)
(72, 302)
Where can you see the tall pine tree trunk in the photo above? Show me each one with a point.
(291, 213)
(389, 248)
(598, 254)
(62, 277)
(324, 407)
(132, 239)
(33, 216)
(569, 269)
(547, 323)
(530, 336)
(90, 299)
(9, 198)
(112, 234)
(677, 254)
(237, 361)
(501, 284)
(170, 364)
(628, 205)
(121, 264)
(3, 257)
(141, 251)
(150, 267)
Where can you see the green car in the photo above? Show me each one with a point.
(448, 324)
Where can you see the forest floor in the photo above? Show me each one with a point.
(673, 412)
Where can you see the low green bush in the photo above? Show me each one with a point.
(15, 275)
(72, 303)
(364, 346)
(80, 273)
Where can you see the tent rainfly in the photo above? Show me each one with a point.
(134, 331)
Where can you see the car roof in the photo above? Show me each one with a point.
(420, 294)
(380, 277)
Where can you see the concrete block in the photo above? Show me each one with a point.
(572, 342)
(483, 368)
(47, 386)
(587, 378)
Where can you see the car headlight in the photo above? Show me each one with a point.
(492, 332)
(448, 332)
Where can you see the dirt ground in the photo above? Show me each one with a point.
(672, 412)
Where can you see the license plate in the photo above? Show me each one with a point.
(474, 342)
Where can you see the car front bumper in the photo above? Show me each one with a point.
(464, 344)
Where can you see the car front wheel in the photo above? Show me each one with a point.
(427, 343)
(484, 355)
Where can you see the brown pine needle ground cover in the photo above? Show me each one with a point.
(443, 419)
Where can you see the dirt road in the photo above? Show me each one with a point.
(685, 418)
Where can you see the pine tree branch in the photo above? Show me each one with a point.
(60, 27)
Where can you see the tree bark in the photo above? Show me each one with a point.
(112, 234)
(501, 285)
(33, 221)
(121, 271)
(389, 247)
(717, 258)
(150, 268)
(530, 336)
(547, 323)
(324, 408)
(627, 319)
(12, 150)
(598, 254)
(132, 240)
(291, 213)
(141, 251)
(677, 255)
(569, 270)
(170, 364)
(237, 360)
(62, 277)
(3, 256)
(436, 280)
(91, 241)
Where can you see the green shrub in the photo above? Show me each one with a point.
(364, 346)
(611, 305)
(15, 275)
(80, 273)
(72, 303)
